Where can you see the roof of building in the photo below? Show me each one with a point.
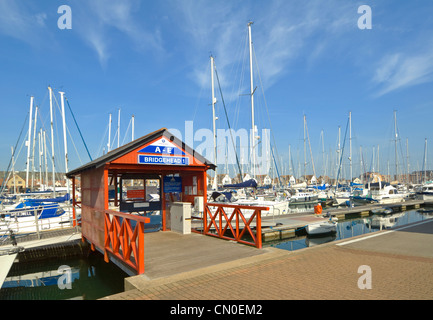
(125, 149)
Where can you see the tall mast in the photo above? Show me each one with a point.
(118, 130)
(52, 141)
(350, 147)
(338, 152)
(407, 161)
(28, 142)
(290, 161)
(215, 184)
(305, 148)
(45, 161)
(40, 158)
(425, 161)
(13, 170)
(133, 127)
(396, 136)
(378, 159)
(109, 134)
(33, 148)
(323, 153)
(65, 143)
(253, 134)
(361, 165)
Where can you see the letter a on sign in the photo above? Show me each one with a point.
(364, 21)
(65, 21)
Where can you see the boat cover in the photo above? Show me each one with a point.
(246, 184)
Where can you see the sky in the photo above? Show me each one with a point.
(151, 59)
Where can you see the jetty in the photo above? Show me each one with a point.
(46, 245)
(287, 225)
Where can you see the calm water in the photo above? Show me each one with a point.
(91, 278)
(354, 227)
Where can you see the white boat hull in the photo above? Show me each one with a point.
(321, 228)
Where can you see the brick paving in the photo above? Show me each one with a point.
(323, 272)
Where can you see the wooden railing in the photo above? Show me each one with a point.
(234, 225)
(124, 238)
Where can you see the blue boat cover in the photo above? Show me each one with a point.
(246, 184)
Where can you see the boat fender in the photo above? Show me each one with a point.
(318, 209)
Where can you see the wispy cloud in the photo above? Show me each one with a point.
(21, 22)
(284, 32)
(98, 20)
(401, 70)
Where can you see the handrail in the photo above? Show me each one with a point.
(124, 238)
(26, 220)
(237, 233)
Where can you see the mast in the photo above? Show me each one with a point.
(253, 134)
(290, 161)
(132, 127)
(40, 158)
(425, 162)
(13, 170)
(45, 161)
(396, 136)
(407, 161)
(65, 143)
(33, 147)
(361, 165)
(338, 152)
(350, 148)
(305, 148)
(215, 182)
(323, 153)
(28, 141)
(109, 134)
(378, 159)
(118, 130)
(52, 141)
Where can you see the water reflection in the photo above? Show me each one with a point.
(354, 227)
(90, 278)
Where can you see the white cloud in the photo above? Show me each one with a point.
(284, 32)
(399, 70)
(20, 22)
(97, 19)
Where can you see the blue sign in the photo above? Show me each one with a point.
(172, 184)
(144, 159)
(165, 150)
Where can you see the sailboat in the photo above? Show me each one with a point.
(278, 206)
(34, 211)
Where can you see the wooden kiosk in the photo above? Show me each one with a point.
(122, 190)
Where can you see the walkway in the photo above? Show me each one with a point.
(401, 264)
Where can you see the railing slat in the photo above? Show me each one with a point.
(123, 240)
(209, 220)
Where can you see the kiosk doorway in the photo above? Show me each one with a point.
(141, 194)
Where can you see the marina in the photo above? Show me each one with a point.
(162, 262)
(236, 196)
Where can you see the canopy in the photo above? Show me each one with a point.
(246, 184)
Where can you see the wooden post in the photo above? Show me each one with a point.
(74, 203)
(140, 258)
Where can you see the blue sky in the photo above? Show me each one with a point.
(151, 60)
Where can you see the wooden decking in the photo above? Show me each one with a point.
(168, 253)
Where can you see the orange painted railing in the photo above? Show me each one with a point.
(234, 225)
(124, 238)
